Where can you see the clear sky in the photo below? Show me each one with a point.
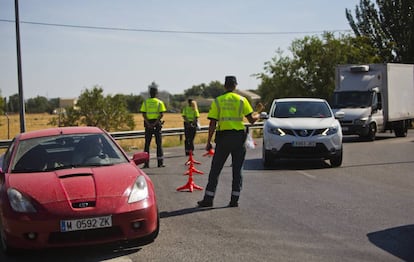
(65, 47)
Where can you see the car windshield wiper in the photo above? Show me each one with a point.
(93, 165)
(60, 167)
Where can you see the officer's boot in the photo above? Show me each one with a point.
(146, 165)
(161, 163)
(206, 202)
(234, 201)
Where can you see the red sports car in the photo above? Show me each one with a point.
(73, 186)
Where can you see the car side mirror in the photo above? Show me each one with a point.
(263, 115)
(339, 114)
(140, 158)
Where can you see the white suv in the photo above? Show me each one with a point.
(302, 128)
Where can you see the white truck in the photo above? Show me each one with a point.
(375, 98)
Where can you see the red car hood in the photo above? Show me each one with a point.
(80, 185)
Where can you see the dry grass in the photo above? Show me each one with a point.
(10, 127)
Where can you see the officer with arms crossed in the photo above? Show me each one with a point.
(152, 110)
(226, 120)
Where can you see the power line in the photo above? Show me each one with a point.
(175, 31)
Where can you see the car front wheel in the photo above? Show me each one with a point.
(5, 246)
(267, 157)
(336, 160)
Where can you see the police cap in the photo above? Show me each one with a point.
(230, 81)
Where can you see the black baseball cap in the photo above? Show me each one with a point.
(230, 80)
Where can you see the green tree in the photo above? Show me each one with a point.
(389, 27)
(2, 104)
(13, 104)
(133, 103)
(195, 91)
(310, 69)
(93, 109)
(53, 104)
(39, 104)
(213, 89)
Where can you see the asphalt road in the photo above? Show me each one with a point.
(295, 211)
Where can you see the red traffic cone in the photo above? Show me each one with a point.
(209, 152)
(191, 159)
(191, 169)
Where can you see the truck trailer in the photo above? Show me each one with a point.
(375, 98)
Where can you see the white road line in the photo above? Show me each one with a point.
(306, 174)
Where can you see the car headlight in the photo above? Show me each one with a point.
(330, 131)
(276, 131)
(19, 203)
(361, 121)
(139, 190)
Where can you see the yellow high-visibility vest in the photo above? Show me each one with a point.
(229, 110)
(189, 113)
(153, 107)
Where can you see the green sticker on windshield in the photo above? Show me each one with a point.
(292, 109)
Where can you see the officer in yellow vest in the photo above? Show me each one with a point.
(152, 110)
(226, 120)
(190, 115)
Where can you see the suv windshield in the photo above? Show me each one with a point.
(301, 109)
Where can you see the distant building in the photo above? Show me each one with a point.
(67, 102)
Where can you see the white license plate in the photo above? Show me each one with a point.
(303, 143)
(85, 223)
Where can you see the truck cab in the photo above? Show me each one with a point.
(373, 98)
(358, 95)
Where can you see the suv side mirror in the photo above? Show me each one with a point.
(339, 114)
(263, 115)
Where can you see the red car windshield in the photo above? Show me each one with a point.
(65, 151)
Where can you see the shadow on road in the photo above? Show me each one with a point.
(357, 139)
(288, 164)
(186, 211)
(397, 241)
(78, 254)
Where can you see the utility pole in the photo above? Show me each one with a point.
(19, 69)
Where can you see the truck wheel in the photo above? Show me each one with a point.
(401, 129)
(372, 132)
(336, 160)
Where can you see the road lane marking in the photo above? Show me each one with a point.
(306, 174)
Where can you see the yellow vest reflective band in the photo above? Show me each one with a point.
(153, 107)
(229, 109)
(190, 113)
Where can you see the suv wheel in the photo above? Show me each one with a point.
(336, 160)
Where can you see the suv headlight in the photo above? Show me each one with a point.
(139, 190)
(330, 131)
(19, 202)
(276, 131)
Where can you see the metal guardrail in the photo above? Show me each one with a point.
(4, 143)
(141, 133)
